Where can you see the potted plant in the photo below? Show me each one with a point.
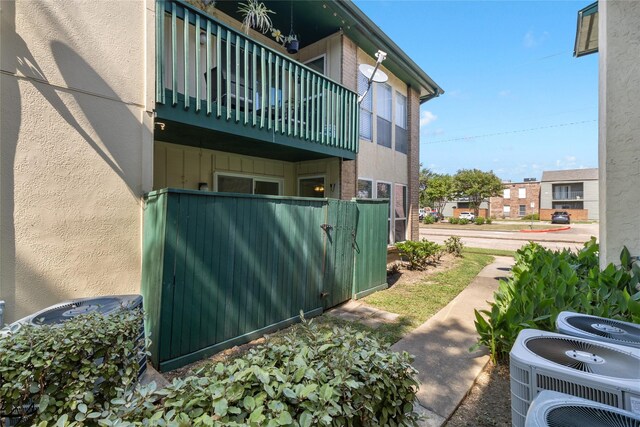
(292, 44)
(255, 15)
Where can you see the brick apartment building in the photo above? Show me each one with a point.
(518, 199)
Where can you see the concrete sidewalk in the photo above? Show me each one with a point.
(447, 370)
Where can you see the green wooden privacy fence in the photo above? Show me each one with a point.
(221, 75)
(223, 269)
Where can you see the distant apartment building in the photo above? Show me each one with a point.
(518, 199)
(574, 191)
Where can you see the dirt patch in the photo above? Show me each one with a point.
(488, 402)
(406, 276)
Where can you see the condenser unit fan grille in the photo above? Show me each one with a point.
(584, 356)
(581, 416)
(61, 313)
(606, 328)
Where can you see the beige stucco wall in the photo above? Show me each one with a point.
(75, 148)
(179, 166)
(619, 128)
(376, 161)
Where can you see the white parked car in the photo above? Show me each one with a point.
(467, 215)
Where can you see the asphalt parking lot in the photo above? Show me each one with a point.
(573, 238)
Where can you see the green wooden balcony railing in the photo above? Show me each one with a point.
(209, 69)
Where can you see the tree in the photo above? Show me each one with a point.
(439, 191)
(425, 174)
(477, 186)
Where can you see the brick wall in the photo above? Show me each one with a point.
(497, 204)
(413, 160)
(576, 214)
(349, 78)
(481, 212)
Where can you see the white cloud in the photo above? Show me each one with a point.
(532, 40)
(427, 117)
(504, 93)
(567, 162)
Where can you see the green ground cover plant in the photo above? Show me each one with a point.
(70, 369)
(546, 282)
(480, 220)
(311, 376)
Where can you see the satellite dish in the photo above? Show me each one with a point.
(373, 74)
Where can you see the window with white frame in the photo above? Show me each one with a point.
(366, 109)
(383, 191)
(402, 136)
(400, 208)
(231, 183)
(365, 189)
(383, 107)
(523, 210)
(506, 194)
(506, 210)
(522, 193)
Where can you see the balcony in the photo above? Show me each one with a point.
(218, 88)
(568, 195)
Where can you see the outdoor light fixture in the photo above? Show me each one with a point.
(203, 186)
(203, 37)
(319, 188)
(161, 125)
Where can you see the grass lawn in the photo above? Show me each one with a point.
(486, 251)
(526, 225)
(417, 302)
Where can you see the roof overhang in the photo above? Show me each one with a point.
(314, 20)
(587, 31)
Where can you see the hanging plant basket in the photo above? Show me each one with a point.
(292, 46)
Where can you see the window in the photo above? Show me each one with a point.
(311, 187)
(316, 64)
(402, 140)
(383, 105)
(247, 185)
(400, 211)
(366, 109)
(523, 210)
(506, 210)
(365, 189)
(383, 191)
(506, 193)
(522, 193)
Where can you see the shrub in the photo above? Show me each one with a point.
(72, 368)
(545, 282)
(488, 221)
(480, 220)
(453, 220)
(313, 376)
(453, 245)
(463, 221)
(419, 254)
(531, 217)
(429, 219)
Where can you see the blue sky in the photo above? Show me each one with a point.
(516, 101)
